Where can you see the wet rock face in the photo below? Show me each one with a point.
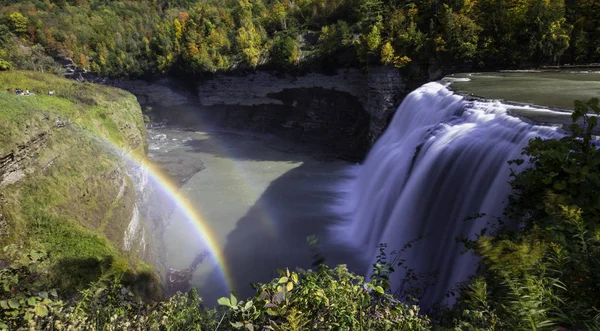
(333, 121)
(256, 88)
(385, 93)
(343, 113)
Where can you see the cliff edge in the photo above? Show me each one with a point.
(64, 185)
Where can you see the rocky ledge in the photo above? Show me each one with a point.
(342, 113)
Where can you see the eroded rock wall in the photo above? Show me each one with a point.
(342, 113)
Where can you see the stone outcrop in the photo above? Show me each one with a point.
(258, 88)
(386, 89)
(16, 164)
(341, 113)
(162, 93)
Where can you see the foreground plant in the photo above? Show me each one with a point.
(104, 305)
(545, 273)
(322, 299)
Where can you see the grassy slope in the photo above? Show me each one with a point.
(76, 201)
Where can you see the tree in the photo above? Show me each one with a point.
(18, 23)
(373, 39)
(5, 36)
(388, 55)
(408, 40)
(285, 52)
(460, 33)
(279, 14)
(249, 42)
(369, 13)
(335, 36)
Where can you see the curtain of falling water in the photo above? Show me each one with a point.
(441, 160)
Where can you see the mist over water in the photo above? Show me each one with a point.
(261, 196)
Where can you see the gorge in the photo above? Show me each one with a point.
(224, 188)
(286, 165)
(442, 159)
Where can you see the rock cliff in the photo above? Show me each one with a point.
(343, 112)
(64, 185)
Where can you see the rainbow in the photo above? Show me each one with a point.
(182, 204)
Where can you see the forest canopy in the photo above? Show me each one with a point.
(118, 38)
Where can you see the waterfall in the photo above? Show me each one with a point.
(133, 229)
(442, 159)
(136, 229)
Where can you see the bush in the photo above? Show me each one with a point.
(322, 299)
(104, 305)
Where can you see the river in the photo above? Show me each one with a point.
(260, 195)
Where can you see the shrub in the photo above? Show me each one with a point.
(105, 305)
(322, 299)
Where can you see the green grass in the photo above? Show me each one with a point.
(68, 203)
(100, 109)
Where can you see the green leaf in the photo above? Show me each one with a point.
(366, 300)
(289, 286)
(98, 291)
(233, 299)
(4, 304)
(31, 301)
(282, 280)
(41, 310)
(295, 278)
(559, 185)
(237, 325)
(36, 255)
(43, 294)
(585, 170)
(13, 303)
(379, 289)
(248, 305)
(224, 302)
